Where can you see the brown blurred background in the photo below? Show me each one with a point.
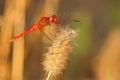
(96, 54)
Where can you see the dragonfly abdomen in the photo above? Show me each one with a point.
(32, 28)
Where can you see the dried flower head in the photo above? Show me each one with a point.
(58, 54)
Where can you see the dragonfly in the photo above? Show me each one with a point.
(41, 24)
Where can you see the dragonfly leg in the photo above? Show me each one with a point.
(47, 36)
(41, 28)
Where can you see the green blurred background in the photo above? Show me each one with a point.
(96, 52)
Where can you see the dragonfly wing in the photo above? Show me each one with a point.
(32, 28)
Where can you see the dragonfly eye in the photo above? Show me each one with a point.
(53, 19)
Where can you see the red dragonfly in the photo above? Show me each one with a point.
(41, 24)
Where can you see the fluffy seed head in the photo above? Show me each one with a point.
(55, 59)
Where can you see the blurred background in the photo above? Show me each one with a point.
(96, 53)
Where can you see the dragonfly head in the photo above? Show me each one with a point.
(53, 19)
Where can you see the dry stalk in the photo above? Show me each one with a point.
(18, 46)
(108, 62)
(6, 29)
(58, 54)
